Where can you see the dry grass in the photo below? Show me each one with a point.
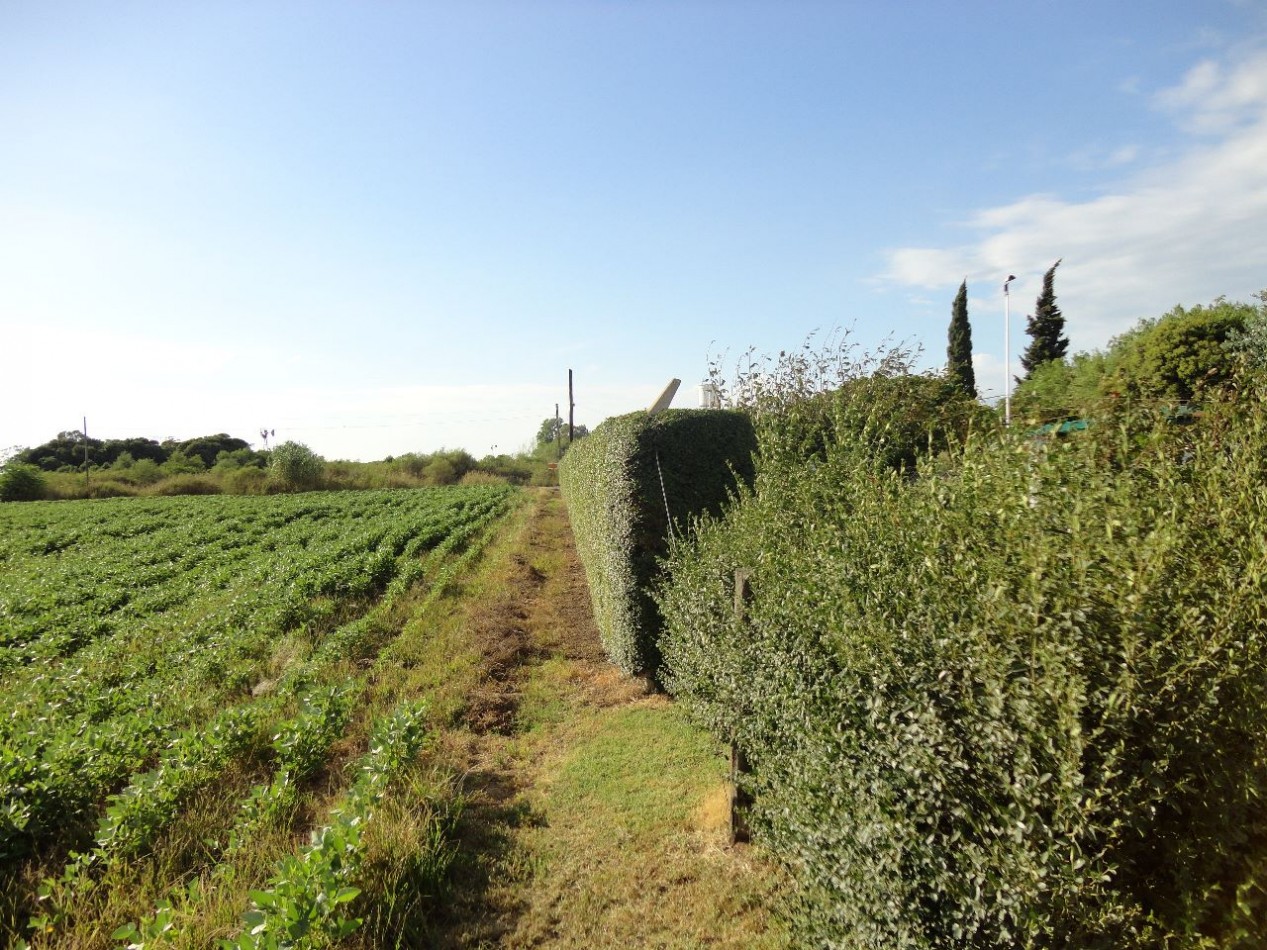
(594, 814)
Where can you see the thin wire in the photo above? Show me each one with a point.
(663, 493)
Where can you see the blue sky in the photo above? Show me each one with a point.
(383, 227)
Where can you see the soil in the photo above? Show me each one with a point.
(540, 616)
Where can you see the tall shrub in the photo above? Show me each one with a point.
(1016, 701)
(21, 482)
(1182, 356)
(296, 466)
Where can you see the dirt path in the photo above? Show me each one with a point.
(594, 814)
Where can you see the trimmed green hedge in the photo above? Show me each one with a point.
(611, 481)
(1018, 701)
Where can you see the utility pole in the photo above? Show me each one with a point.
(85, 451)
(558, 433)
(1007, 352)
(571, 412)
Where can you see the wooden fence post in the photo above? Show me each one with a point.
(740, 799)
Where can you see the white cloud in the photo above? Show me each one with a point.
(1184, 232)
(1214, 98)
(1097, 158)
(988, 370)
(1123, 155)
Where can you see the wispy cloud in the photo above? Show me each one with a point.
(1182, 232)
(1215, 97)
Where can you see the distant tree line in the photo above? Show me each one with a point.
(221, 463)
(67, 451)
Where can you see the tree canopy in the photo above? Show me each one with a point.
(555, 429)
(1179, 357)
(67, 449)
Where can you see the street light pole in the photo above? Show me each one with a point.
(1007, 352)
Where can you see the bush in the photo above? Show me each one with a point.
(245, 481)
(143, 472)
(618, 483)
(482, 478)
(1249, 343)
(1058, 390)
(109, 488)
(186, 485)
(178, 463)
(1183, 355)
(1016, 701)
(441, 471)
(21, 482)
(297, 467)
(836, 397)
(516, 470)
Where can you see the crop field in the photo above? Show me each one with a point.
(212, 656)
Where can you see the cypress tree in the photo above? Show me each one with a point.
(1046, 327)
(959, 350)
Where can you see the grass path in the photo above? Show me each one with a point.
(593, 814)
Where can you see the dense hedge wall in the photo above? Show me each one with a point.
(1016, 701)
(611, 481)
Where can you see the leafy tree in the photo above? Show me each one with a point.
(65, 450)
(1176, 357)
(178, 463)
(296, 466)
(208, 447)
(555, 429)
(68, 449)
(231, 461)
(1249, 343)
(549, 431)
(1181, 355)
(959, 349)
(1046, 327)
(137, 448)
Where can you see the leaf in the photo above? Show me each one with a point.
(345, 894)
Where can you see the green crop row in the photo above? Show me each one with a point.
(240, 576)
(306, 901)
